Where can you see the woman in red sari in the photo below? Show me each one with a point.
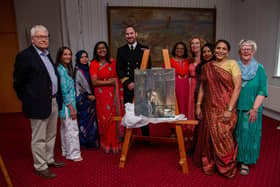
(108, 102)
(216, 147)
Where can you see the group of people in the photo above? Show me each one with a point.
(86, 97)
(226, 96)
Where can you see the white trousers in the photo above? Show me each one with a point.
(69, 133)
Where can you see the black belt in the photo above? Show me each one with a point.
(54, 96)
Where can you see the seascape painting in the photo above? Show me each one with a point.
(160, 28)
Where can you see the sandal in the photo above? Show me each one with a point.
(78, 159)
(244, 170)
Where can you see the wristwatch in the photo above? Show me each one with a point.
(229, 109)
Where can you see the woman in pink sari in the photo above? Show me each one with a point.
(195, 44)
(216, 147)
(108, 98)
(180, 63)
(194, 53)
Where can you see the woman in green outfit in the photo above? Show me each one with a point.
(249, 107)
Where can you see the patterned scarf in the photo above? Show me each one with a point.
(248, 72)
(83, 67)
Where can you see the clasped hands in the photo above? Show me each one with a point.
(130, 86)
(112, 81)
(91, 97)
(226, 115)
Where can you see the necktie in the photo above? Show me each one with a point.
(131, 47)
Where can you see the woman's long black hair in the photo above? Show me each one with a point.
(203, 61)
(95, 55)
(58, 60)
(199, 67)
(185, 49)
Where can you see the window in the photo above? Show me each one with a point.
(277, 73)
(278, 66)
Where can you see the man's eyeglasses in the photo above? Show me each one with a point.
(246, 49)
(40, 37)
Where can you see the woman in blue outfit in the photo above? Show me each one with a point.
(249, 107)
(85, 99)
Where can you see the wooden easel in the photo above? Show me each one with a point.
(178, 125)
(5, 172)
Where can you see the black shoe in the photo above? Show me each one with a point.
(47, 174)
(56, 164)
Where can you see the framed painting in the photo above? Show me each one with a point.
(152, 100)
(160, 28)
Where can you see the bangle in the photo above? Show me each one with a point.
(255, 109)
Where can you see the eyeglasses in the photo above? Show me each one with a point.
(246, 49)
(41, 37)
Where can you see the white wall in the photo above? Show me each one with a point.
(235, 20)
(258, 20)
(30, 12)
(92, 27)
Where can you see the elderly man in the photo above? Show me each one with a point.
(36, 83)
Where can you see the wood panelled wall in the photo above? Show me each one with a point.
(8, 51)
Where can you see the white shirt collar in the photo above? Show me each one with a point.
(46, 52)
(133, 45)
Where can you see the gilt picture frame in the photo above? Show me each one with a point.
(160, 27)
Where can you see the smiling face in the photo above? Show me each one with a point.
(84, 58)
(207, 53)
(195, 45)
(66, 57)
(130, 35)
(101, 50)
(246, 53)
(40, 39)
(221, 51)
(179, 51)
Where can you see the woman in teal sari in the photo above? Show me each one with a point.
(249, 107)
